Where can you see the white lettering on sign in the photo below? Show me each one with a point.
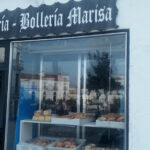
(24, 21)
(108, 16)
(43, 20)
(4, 24)
(76, 16)
(40, 20)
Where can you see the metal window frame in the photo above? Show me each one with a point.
(82, 35)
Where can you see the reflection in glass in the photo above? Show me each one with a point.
(85, 75)
(101, 84)
(2, 54)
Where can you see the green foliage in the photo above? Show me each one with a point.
(99, 74)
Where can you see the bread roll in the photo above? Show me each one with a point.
(41, 118)
(111, 119)
(47, 112)
(35, 118)
(60, 144)
(102, 118)
(38, 113)
(47, 118)
(88, 148)
(120, 119)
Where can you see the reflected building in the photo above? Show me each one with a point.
(53, 87)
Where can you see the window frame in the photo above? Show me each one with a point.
(82, 35)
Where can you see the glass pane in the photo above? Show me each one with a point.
(2, 54)
(72, 88)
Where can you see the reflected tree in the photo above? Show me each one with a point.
(99, 75)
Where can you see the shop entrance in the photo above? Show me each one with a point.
(2, 109)
(4, 61)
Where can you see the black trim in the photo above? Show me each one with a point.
(5, 44)
(127, 85)
(58, 18)
(4, 69)
(70, 35)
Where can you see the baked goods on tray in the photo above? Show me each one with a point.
(112, 117)
(41, 115)
(47, 112)
(41, 142)
(93, 147)
(76, 116)
(38, 113)
(66, 143)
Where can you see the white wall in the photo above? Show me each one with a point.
(25, 3)
(134, 15)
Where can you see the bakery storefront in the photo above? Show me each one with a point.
(68, 77)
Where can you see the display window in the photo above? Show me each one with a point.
(68, 93)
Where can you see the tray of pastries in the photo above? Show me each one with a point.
(76, 116)
(94, 147)
(39, 143)
(67, 144)
(112, 117)
(42, 141)
(111, 120)
(73, 119)
(41, 115)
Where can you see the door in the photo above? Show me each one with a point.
(2, 109)
(4, 61)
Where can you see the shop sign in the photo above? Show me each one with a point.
(71, 17)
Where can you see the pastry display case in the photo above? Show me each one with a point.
(71, 93)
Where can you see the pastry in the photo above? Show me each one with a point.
(112, 117)
(41, 118)
(102, 118)
(93, 148)
(41, 142)
(120, 119)
(47, 112)
(35, 118)
(77, 116)
(88, 148)
(97, 148)
(72, 146)
(66, 143)
(47, 118)
(59, 144)
(38, 113)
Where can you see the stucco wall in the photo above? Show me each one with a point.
(134, 15)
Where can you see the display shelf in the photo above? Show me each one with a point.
(106, 124)
(26, 126)
(61, 121)
(30, 146)
(82, 122)
(81, 143)
(25, 146)
(67, 121)
(35, 121)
